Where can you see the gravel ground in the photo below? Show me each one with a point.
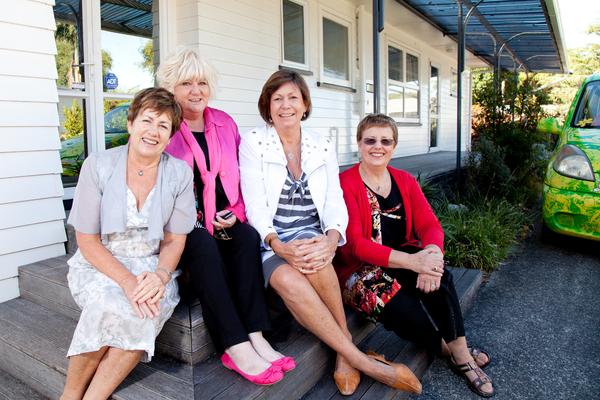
(539, 318)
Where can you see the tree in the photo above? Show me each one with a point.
(583, 61)
(147, 52)
(68, 55)
(73, 120)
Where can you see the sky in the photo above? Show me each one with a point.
(124, 50)
(576, 17)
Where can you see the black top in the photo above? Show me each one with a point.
(220, 196)
(393, 218)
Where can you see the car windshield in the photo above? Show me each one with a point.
(587, 114)
(115, 121)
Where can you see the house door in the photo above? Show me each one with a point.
(434, 96)
(105, 53)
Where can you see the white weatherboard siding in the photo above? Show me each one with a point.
(242, 39)
(31, 210)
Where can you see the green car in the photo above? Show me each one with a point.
(571, 197)
(115, 129)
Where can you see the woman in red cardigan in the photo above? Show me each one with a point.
(391, 269)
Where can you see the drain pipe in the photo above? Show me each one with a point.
(377, 28)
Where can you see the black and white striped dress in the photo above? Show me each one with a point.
(296, 218)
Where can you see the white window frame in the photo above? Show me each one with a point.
(404, 84)
(293, 64)
(349, 24)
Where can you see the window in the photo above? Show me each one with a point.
(403, 85)
(294, 34)
(336, 51)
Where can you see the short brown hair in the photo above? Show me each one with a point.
(159, 100)
(275, 81)
(379, 120)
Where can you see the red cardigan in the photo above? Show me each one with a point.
(422, 226)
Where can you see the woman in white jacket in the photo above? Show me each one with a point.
(290, 183)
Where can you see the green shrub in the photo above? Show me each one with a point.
(481, 235)
(73, 120)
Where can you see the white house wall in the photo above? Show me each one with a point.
(242, 39)
(31, 210)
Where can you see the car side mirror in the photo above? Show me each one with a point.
(549, 125)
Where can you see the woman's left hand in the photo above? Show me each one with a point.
(223, 223)
(428, 283)
(150, 288)
(322, 251)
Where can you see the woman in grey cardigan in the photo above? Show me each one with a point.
(132, 209)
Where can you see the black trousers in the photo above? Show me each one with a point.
(226, 276)
(421, 318)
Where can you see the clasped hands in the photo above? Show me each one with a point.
(308, 256)
(429, 265)
(144, 292)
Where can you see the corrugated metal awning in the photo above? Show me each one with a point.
(529, 30)
(123, 16)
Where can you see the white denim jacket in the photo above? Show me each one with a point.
(263, 170)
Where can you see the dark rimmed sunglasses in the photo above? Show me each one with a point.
(384, 142)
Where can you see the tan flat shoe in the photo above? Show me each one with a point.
(405, 378)
(347, 381)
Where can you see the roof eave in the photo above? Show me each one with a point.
(552, 13)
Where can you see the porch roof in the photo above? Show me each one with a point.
(123, 16)
(529, 30)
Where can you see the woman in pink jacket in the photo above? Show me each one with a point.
(222, 253)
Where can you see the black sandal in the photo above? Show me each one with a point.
(475, 384)
(475, 353)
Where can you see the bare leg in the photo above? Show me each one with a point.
(263, 348)
(327, 286)
(80, 372)
(247, 359)
(112, 370)
(307, 306)
(481, 359)
(461, 355)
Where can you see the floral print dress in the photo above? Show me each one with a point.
(107, 318)
(370, 288)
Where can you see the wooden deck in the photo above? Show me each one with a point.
(35, 332)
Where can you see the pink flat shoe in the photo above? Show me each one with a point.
(269, 376)
(285, 363)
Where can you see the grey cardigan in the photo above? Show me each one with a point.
(100, 201)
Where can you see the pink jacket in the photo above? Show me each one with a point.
(223, 139)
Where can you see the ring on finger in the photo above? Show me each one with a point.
(433, 286)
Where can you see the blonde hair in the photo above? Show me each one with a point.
(186, 65)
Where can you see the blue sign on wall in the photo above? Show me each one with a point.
(111, 81)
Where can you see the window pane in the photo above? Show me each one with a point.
(335, 50)
(395, 71)
(115, 122)
(411, 103)
(412, 69)
(72, 144)
(395, 103)
(293, 32)
(588, 109)
(68, 55)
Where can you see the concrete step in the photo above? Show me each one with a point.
(184, 336)
(467, 283)
(34, 342)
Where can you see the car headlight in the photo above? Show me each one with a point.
(571, 161)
